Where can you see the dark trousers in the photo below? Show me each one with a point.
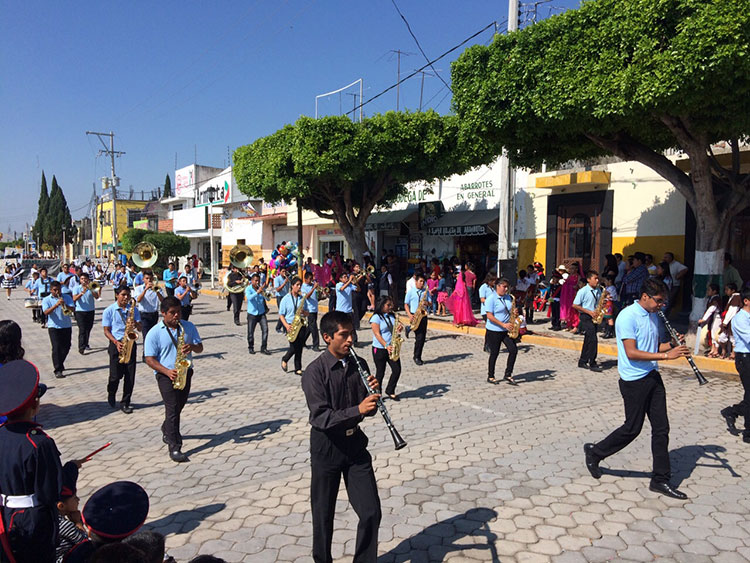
(332, 456)
(355, 326)
(170, 291)
(60, 339)
(295, 349)
(174, 402)
(742, 363)
(252, 321)
(642, 397)
(494, 340)
(555, 314)
(237, 299)
(118, 371)
(148, 321)
(85, 322)
(420, 335)
(590, 341)
(185, 311)
(312, 329)
(279, 324)
(381, 359)
(33, 534)
(229, 301)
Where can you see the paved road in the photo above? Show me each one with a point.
(491, 473)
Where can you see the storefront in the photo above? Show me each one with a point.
(468, 235)
(394, 232)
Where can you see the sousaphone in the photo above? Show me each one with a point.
(240, 256)
(144, 255)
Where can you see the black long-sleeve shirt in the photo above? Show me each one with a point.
(334, 392)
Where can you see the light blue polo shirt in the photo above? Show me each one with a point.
(56, 319)
(86, 302)
(413, 296)
(114, 317)
(33, 287)
(288, 306)
(278, 281)
(159, 344)
(387, 324)
(500, 307)
(741, 332)
(587, 297)
(138, 279)
(42, 285)
(256, 303)
(170, 277)
(312, 301)
(62, 277)
(150, 302)
(344, 297)
(484, 292)
(183, 295)
(635, 323)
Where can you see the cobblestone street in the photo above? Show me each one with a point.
(491, 473)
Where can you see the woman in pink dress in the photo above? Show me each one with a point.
(567, 295)
(459, 305)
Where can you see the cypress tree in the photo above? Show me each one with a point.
(58, 216)
(167, 187)
(41, 214)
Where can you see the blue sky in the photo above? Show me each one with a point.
(176, 78)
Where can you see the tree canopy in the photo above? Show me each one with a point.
(342, 169)
(58, 217)
(41, 213)
(167, 192)
(169, 245)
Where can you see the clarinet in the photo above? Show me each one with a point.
(397, 439)
(673, 333)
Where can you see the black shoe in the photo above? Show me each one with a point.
(593, 366)
(164, 438)
(418, 361)
(81, 351)
(583, 365)
(265, 352)
(316, 348)
(667, 490)
(298, 372)
(250, 351)
(284, 366)
(746, 438)
(592, 464)
(127, 409)
(59, 375)
(111, 401)
(730, 419)
(509, 380)
(178, 456)
(407, 330)
(237, 323)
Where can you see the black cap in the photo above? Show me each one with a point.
(69, 480)
(19, 384)
(116, 510)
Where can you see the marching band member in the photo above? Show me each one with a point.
(234, 279)
(59, 326)
(411, 304)
(497, 308)
(148, 300)
(641, 386)
(256, 314)
(741, 331)
(287, 312)
(66, 277)
(84, 299)
(383, 323)
(344, 297)
(310, 289)
(43, 284)
(161, 353)
(114, 319)
(32, 288)
(186, 295)
(170, 276)
(585, 303)
(281, 289)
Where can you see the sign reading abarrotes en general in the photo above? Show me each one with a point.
(476, 190)
(460, 231)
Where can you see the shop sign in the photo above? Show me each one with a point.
(429, 213)
(461, 231)
(414, 194)
(390, 226)
(330, 232)
(476, 190)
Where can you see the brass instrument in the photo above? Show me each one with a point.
(420, 312)
(95, 286)
(144, 255)
(181, 363)
(66, 309)
(268, 294)
(396, 342)
(240, 257)
(371, 270)
(599, 311)
(130, 336)
(323, 293)
(515, 319)
(298, 322)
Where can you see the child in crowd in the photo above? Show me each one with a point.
(432, 287)
(712, 319)
(609, 308)
(734, 304)
(442, 295)
(555, 286)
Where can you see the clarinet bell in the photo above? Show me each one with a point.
(398, 441)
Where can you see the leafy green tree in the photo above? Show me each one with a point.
(41, 213)
(131, 237)
(167, 187)
(342, 169)
(633, 79)
(58, 217)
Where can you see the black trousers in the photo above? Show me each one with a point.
(590, 341)
(295, 349)
(312, 329)
(148, 321)
(420, 335)
(185, 311)
(33, 535)
(279, 324)
(555, 314)
(494, 340)
(237, 299)
(85, 322)
(252, 321)
(170, 291)
(742, 363)
(229, 301)
(381, 359)
(174, 402)
(331, 456)
(60, 339)
(118, 371)
(642, 397)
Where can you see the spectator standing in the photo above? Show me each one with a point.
(678, 272)
(633, 280)
(730, 274)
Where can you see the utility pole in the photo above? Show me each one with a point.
(114, 180)
(398, 52)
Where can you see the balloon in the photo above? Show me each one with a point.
(292, 263)
(284, 250)
(274, 253)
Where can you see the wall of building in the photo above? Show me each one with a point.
(105, 235)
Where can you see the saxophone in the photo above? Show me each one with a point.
(298, 322)
(181, 363)
(396, 341)
(420, 312)
(599, 311)
(515, 320)
(130, 336)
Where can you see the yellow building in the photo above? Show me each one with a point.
(128, 212)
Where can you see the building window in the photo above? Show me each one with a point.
(579, 236)
(133, 216)
(177, 207)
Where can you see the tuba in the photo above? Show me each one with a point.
(515, 320)
(240, 256)
(298, 322)
(130, 336)
(144, 255)
(181, 363)
(420, 312)
(396, 342)
(600, 306)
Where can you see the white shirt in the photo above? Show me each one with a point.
(411, 283)
(675, 268)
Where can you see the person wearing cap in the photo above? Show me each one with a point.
(256, 314)
(30, 470)
(185, 294)
(160, 349)
(69, 523)
(112, 513)
(59, 325)
(114, 321)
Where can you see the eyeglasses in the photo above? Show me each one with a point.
(658, 300)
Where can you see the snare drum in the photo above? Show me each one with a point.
(31, 303)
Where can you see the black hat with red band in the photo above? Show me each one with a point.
(116, 510)
(19, 386)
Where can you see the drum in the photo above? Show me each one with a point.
(31, 303)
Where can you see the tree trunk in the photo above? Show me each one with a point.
(355, 236)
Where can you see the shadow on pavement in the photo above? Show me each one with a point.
(449, 358)
(250, 433)
(54, 416)
(539, 375)
(426, 392)
(183, 521)
(435, 542)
